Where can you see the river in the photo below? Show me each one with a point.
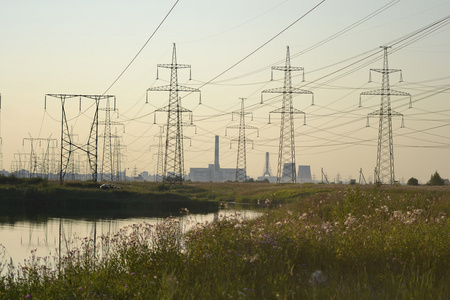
(46, 238)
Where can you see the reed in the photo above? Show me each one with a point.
(344, 243)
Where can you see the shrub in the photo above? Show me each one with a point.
(413, 181)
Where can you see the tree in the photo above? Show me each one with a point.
(436, 179)
(413, 181)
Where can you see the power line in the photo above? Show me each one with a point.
(142, 48)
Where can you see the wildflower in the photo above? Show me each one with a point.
(27, 296)
(254, 258)
(317, 277)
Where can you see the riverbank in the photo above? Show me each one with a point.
(352, 242)
(30, 198)
(37, 198)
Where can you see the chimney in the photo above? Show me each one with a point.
(216, 155)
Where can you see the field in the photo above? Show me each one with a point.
(310, 242)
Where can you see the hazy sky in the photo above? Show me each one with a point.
(80, 47)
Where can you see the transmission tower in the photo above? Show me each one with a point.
(117, 156)
(159, 163)
(39, 164)
(384, 170)
(241, 161)
(173, 165)
(20, 164)
(67, 145)
(107, 173)
(286, 151)
(361, 177)
(324, 176)
(53, 153)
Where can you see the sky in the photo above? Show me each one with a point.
(81, 47)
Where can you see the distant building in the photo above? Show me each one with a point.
(304, 174)
(213, 172)
(267, 172)
(287, 172)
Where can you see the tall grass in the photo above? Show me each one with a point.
(355, 243)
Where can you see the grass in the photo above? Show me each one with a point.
(333, 242)
(25, 198)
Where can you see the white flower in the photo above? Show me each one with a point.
(317, 277)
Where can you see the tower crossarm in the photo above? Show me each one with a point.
(179, 110)
(173, 66)
(382, 92)
(380, 113)
(385, 92)
(386, 71)
(168, 88)
(284, 111)
(115, 123)
(240, 126)
(287, 68)
(292, 90)
(289, 90)
(166, 108)
(237, 140)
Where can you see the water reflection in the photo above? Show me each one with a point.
(56, 235)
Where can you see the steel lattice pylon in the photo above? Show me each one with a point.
(40, 165)
(117, 156)
(159, 164)
(109, 168)
(241, 161)
(67, 145)
(173, 167)
(384, 170)
(286, 151)
(107, 158)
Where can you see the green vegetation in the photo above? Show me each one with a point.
(413, 181)
(28, 198)
(328, 242)
(436, 179)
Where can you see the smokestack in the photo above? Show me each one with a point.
(216, 155)
(267, 168)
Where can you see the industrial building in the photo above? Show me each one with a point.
(267, 172)
(213, 172)
(304, 174)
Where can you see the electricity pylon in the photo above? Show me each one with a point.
(384, 170)
(117, 156)
(68, 146)
(324, 176)
(39, 164)
(173, 167)
(159, 163)
(19, 166)
(107, 173)
(361, 177)
(241, 161)
(286, 151)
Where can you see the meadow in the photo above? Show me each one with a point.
(323, 242)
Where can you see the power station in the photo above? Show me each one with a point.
(213, 172)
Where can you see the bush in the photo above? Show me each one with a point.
(436, 179)
(413, 181)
